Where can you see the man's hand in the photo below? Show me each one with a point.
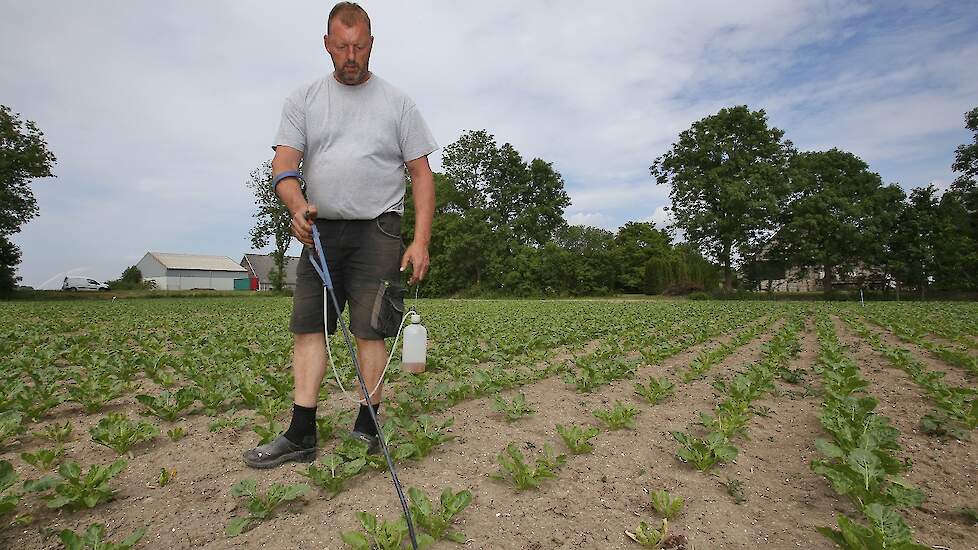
(417, 256)
(302, 221)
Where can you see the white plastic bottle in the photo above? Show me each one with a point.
(415, 346)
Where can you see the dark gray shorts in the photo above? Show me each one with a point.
(362, 255)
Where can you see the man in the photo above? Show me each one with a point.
(354, 133)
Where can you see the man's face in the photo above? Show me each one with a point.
(350, 49)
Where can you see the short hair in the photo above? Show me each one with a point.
(350, 13)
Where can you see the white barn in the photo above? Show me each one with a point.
(190, 271)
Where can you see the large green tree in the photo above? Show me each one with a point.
(501, 201)
(837, 211)
(913, 260)
(728, 176)
(635, 244)
(966, 155)
(272, 221)
(24, 156)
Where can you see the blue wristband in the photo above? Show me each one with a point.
(284, 175)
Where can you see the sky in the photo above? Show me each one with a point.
(158, 112)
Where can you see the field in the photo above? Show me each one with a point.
(769, 420)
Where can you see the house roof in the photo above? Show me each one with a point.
(262, 264)
(196, 261)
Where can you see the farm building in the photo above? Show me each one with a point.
(260, 267)
(190, 271)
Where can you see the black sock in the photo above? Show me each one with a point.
(363, 423)
(302, 430)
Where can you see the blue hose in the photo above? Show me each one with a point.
(323, 270)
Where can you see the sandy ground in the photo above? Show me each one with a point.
(595, 498)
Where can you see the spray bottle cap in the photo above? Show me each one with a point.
(415, 318)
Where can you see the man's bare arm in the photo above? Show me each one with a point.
(423, 188)
(290, 192)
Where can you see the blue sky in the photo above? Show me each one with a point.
(158, 112)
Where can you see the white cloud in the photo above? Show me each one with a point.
(158, 112)
(593, 219)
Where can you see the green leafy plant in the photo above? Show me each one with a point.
(10, 425)
(735, 488)
(704, 453)
(176, 434)
(8, 499)
(578, 438)
(165, 477)
(329, 424)
(168, 405)
(437, 520)
(73, 489)
(618, 417)
(424, 434)
(648, 536)
(656, 390)
(120, 434)
(44, 459)
(939, 425)
(234, 422)
(515, 470)
(332, 472)
(887, 530)
(92, 390)
(267, 433)
(969, 513)
(261, 506)
(94, 539)
(382, 535)
(56, 433)
(665, 504)
(514, 410)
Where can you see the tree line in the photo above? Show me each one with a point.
(744, 197)
(750, 207)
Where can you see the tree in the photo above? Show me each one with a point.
(132, 279)
(24, 156)
(966, 156)
(727, 175)
(635, 244)
(273, 220)
(914, 240)
(835, 214)
(500, 204)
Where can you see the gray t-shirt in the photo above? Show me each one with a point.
(355, 141)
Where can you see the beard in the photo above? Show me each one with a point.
(352, 73)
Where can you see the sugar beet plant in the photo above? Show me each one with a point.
(618, 417)
(657, 390)
(261, 506)
(8, 497)
(514, 469)
(93, 538)
(512, 410)
(332, 471)
(168, 405)
(382, 535)
(578, 438)
(436, 519)
(120, 434)
(73, 489)
(859, 460)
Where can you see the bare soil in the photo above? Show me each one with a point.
(596, 497)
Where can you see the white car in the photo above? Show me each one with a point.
(83, 283)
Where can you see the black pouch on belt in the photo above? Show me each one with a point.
(388, 311)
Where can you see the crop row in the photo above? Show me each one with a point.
(957, 407)
(860, 459)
